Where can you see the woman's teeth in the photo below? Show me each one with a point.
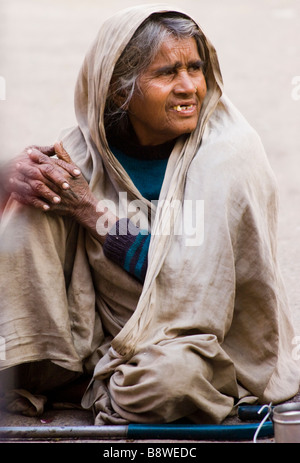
(180, 108)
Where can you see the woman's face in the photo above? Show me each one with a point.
(173, 89)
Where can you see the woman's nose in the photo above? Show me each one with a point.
(184, 84)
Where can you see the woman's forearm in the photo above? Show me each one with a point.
(123, 242)
(95, 218)
(127, 245)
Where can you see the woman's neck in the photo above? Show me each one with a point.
(122, 135)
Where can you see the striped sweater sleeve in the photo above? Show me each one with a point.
(127, 245)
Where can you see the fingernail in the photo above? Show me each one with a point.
(56, 199)
(76, 171)
(65, 185)
(29, 151)
(46, 207)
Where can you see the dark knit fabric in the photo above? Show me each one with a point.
(146, 174)
(123, 137)
(127, 246)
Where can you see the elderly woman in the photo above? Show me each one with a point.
(116, 270)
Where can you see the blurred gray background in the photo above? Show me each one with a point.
(43, 43)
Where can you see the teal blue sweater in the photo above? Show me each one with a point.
(146, 174)
(126, 244)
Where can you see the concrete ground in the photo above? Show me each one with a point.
(42, 45)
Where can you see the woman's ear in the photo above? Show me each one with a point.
(120, 100)
(118, 96)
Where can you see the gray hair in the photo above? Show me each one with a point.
(141, 51)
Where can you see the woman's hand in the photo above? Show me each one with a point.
(57, 185)
(36, 179)
(13, 182)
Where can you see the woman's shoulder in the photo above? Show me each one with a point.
(229, 139)
(231, 153)
(228, 127)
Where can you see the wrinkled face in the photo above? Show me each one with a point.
(173, 89)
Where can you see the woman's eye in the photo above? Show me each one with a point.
(198, 67)
(168, 72)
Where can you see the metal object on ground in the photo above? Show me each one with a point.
(286, 419)
(140, 431)
(251, 412)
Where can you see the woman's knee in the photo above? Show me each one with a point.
(153, 385)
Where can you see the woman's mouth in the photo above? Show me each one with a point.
(180, 108)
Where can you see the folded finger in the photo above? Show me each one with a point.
(31, 201)
(62, 153)
(53, 168)
(17, 184)
(29, 169)
(49, 169)
(37, 156)
(42, 192)
(47, 150)
(33, 187)
(72, 169)
(65, 160)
